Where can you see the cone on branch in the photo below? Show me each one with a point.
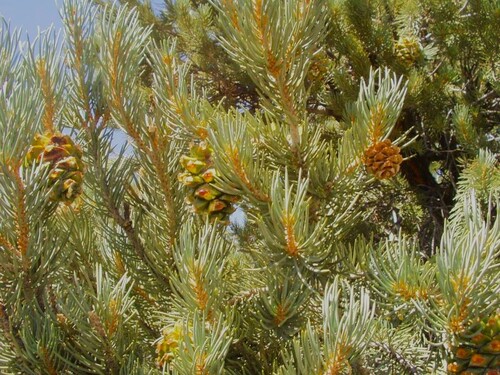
(382, 159)
(168, 345)
(199, 175)
(327, 272)
(65, 161)
(477, 350)
(408, 51)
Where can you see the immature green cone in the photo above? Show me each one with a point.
(199, 175)
(383, 159)
(65, 160)
(168, 346)
(409, 51)
(478, 349)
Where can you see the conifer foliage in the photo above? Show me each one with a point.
(307, 187)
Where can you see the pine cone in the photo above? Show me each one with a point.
(168, 346)
(65, 160)
(477, 351)
(383, 159)
(199, 176)
(408, 51)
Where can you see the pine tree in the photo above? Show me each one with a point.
(308, 187)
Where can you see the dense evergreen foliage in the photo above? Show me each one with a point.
(308, 187)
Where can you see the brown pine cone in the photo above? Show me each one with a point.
(383, 159)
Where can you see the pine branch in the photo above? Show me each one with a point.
(305, 124)
(7, 245)
(126, 224)
(48, 117)
(118, 71)
(23, 229)
(394, 355)
(12, 334)
(246, 295)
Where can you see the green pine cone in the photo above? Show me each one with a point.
(408, 51)
(230, 198)
(65, 160)
(199, 175)
(209, 175)
(220, 216)
(478, 349)
(200, 205)
(228, 210)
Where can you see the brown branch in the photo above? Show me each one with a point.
(166, 187)
(78, 65)
(47, 361)
(292, 247)
(198, 287)
(112, 364)
(123, 221)
(274, 67)
(336, 363)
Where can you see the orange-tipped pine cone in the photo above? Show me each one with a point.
(477, 350)
(383, 159)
